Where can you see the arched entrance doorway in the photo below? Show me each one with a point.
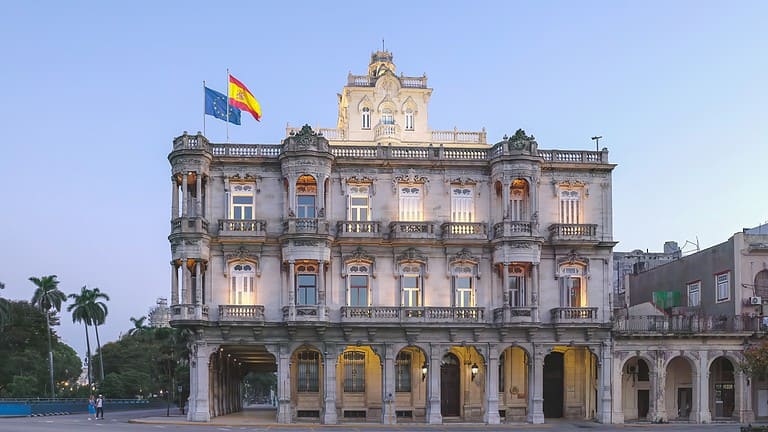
(553, 385)
(513, 384)
(636, 389)
(450, 386)
(411, 369)
(722, 388)
(679, 389)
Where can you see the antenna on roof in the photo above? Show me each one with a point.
(382, 44)
(596, 139)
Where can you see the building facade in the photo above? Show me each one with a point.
(681, 363)
(627, 263)
(387, 272)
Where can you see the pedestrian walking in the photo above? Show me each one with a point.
(100, 407)
(91, 408)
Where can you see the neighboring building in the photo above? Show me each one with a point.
(390, 273)
(160, 314)
(679, 361)
(627, 263)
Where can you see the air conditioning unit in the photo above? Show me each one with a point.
(755, 300)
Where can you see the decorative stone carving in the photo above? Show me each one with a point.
(413, 255)
(411, 177)
(573, 258)
(358, 255)
(305, 139)
(463, 181)
(463, 255)
(520, 142)
(242, 253)
(311, 243)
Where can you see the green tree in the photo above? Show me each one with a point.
(47, 297)
(138, 326)
(5, 308)
(82, 312)
(755, 362)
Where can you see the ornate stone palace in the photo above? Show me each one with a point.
(387, 272)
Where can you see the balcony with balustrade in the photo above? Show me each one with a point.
(412, 230)
(573, 233)
(242, 228)
(358, 229)
(387, 132)
(675, 325)
(404, 315)
(509, 229)
(574, 315)
(189, 312)
(513, 315)
(305, 226)
(241, 313)
(304, 313)
(183, 225)
(465, 231)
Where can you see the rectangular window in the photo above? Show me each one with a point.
(570, 207)
(462, 204)
(305, 206)
(306, 290)
(403, 372)
(241, 202)
(694, 294)
(516, 290)
(366, 118)
(308, 370)
(354, 372)
(463, 291)
(410, 198)
(572, 291)
(723, 286)
(408, 120)
(358, 290)
(410, 290)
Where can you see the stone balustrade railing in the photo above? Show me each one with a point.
(412, 314)
(358, 227)
(512, 229)
(512, 314)
(189, 224)
(189, 312)
(241, 226)
(369, 81)
(468, 230)
(241, 313)
(574, 314)
(574, 231)
(386, 131)
(676, 324)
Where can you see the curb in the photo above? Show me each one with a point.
(51, 414)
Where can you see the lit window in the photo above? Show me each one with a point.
(306, 284)
(357, 276)
(241, 202)
(694, 294)
(410, 201)
(387, 117)
(572, 289)
(359, 203)
(403, 372)
(306, 192)
(241, 284)
(410, 281)
(518, 200)
(308, 371)
(408, 119)
(354, 372)
(366, 118)
(570, 206)
(722, 282)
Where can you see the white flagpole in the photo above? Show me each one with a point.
(203, 107)
(227, 105)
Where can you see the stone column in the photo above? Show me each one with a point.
(505, 197)
(617, 383)
(536, 387)
(225, 196)
(206, 197)
(534, 296)
(174, 199)
(604, 383)
(661, 385)
(492, 385)
(291, 291)
(321, 197)
(199, 194)
(434, 416)
(321, 294)
(284, 386)
(198, 285)
(174, 283)
(184, 195)
(330, 357)
(743, 398)
(505, 285)
(700, 410)
(185, 294)
(199, 375)
(388, 386)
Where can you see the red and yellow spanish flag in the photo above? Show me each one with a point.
(241, 97)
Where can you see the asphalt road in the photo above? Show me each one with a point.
(118, 421)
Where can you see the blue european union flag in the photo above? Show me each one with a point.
(216, 105)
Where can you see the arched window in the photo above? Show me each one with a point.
(463, 286)
(518, 200)
(366, 118)
(403, 371)
(387, 117)
(241, 277)
(309, 371)
(409, 119)
(354, 372)
(358, 281)
(573, 289)
(306, 196)
(761, 284)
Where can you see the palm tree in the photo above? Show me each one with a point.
(100, 316)
(138, 326)
(46, 297)
(82, 311)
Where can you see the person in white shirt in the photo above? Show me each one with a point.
(100, 407)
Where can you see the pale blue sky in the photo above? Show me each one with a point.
(94, 92)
